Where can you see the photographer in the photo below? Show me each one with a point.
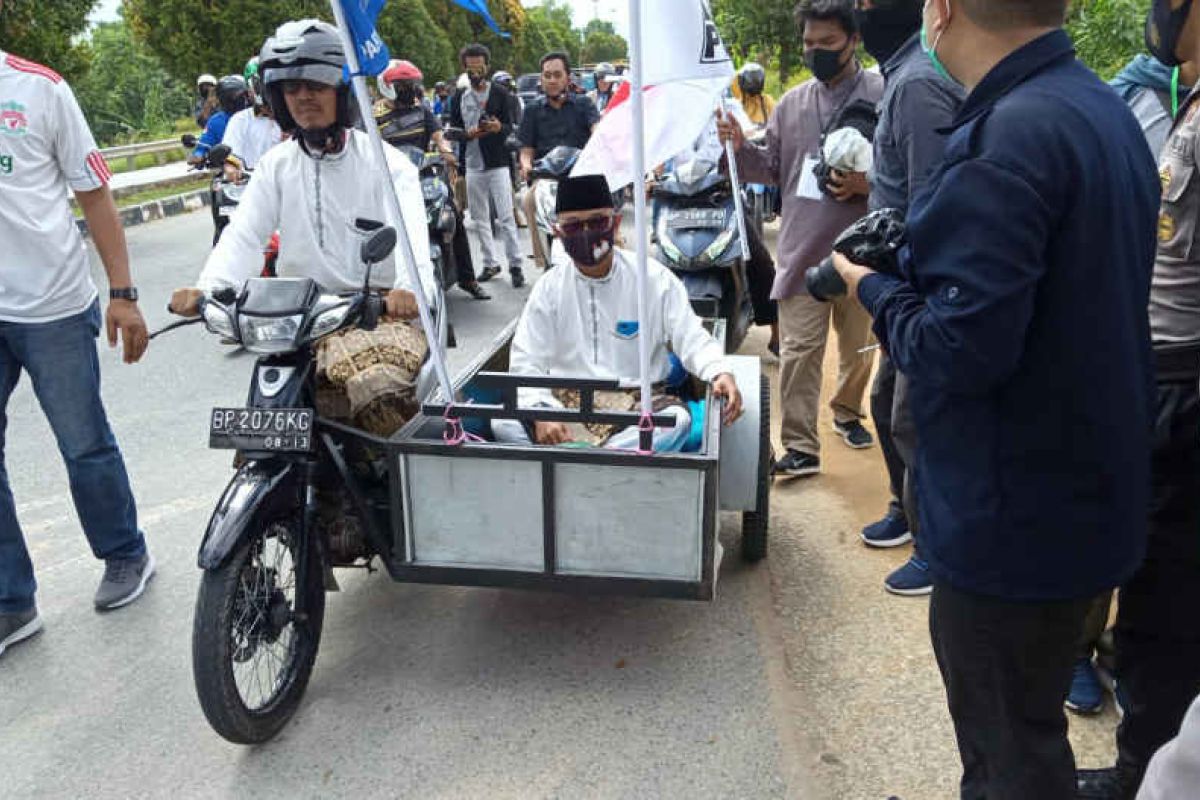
(917, 103)
(812, 218)
(1019, 317)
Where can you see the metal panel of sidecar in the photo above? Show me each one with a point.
(545, 517)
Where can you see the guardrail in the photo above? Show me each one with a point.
(130, 152)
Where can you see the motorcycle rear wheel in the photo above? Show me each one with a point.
(246, 632)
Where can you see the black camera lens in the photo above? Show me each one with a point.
(823, 282)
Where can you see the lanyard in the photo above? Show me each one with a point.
(826, 125)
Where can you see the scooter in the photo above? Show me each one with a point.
(547, 172)
(439, 211)
(696, 230)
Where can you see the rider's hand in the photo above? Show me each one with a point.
(526, 169)
(185, 302)
(551, 433)
(730, 130)
(492, 125)
(401, 304)
(124, 316)
(845, 186)
(232, 173)
(725, 386)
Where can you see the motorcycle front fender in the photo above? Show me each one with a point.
(258, 493)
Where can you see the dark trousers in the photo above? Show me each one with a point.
(897, 439)
(1158, 617)
(760, 272)
(1007, 670)
(464, 263)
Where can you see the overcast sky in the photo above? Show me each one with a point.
(616, 11)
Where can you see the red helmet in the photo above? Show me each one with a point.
(398, 70)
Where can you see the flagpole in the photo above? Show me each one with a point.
(406, 249)
(737, 189)
(639, 216)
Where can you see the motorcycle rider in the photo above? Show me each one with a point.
(748, 90)
(604, 86)
(316, 187)
(252, 131)
(558, 117)
(404, 120)
(516, 105)
(233, 95)
(206, 102)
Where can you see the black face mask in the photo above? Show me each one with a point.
(885, 30)
(1164, 26)
(588, 248)
(825, 64)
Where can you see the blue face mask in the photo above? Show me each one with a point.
(931, 51)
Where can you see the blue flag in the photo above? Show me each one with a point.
(480, 7)
(360, 19)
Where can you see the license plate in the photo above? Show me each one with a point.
(698, 218)
(226, 211)
(284, 430)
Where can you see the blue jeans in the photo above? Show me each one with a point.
(61, 360)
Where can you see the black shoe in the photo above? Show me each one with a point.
(854, 434)
(17, 627)
(488, 274)
(518, 277)
(1112, 783)
(475, 290)
(797, 464)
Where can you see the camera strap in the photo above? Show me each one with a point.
(826, 125)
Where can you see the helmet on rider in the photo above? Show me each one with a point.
(604, 72)
(232, 94)
(205, 80)
(400, 82)
(306, 50)
(254, 79)
(503, 79)
(752, 78)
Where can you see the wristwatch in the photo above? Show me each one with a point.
(130, 294)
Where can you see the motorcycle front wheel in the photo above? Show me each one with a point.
(252, 652)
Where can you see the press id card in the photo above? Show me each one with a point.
(808, 188)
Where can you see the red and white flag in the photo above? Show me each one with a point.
(686, 69)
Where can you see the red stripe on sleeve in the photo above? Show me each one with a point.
(31, 67)
(99, 167)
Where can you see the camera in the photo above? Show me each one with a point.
(874, 241)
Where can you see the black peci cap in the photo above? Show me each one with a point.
(583, 193)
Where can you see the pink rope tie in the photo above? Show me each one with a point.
(455, 434)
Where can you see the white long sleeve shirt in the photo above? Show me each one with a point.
(314, 204)
(575, 326)
(250, 135)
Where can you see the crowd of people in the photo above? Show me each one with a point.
(1037, 394)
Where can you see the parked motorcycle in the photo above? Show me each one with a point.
(439, 211)
(696, 230)
(299, 504)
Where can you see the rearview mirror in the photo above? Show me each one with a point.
(188, 140)
(379, 246)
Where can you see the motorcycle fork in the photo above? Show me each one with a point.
(308, 527)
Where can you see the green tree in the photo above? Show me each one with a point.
(1107, 33)
(548, 27)
(47, 32)
(411, 32)
(602, 43)
(763, 31)
(191, 37)
(127, 91)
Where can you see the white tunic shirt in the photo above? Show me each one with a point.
(46, 148)
(575, 326)
(250, 135)
(314, 204)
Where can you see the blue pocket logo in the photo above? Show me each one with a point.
(627, 329)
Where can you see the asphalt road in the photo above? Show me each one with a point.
(430, 692)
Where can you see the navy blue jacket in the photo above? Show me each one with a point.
(1021, 321)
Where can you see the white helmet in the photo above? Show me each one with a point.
(206, 78)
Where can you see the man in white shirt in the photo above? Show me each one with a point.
(316, 189)
(582, 321)
(252, 131)
(49, 320)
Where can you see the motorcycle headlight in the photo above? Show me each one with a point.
(270, 334)
(664, 241)
(719, 245)
(234, 191)
(432, 190)
(328, 321)
(217, 320)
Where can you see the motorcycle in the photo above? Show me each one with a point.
(696, 229)
(439, 211)
(301, 502)
(547, 172)
(225, 196)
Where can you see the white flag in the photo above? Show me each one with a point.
(686, 69)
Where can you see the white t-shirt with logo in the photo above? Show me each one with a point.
(46, 148)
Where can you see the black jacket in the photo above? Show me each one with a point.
(495, 150)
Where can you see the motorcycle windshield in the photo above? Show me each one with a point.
(557, 163)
